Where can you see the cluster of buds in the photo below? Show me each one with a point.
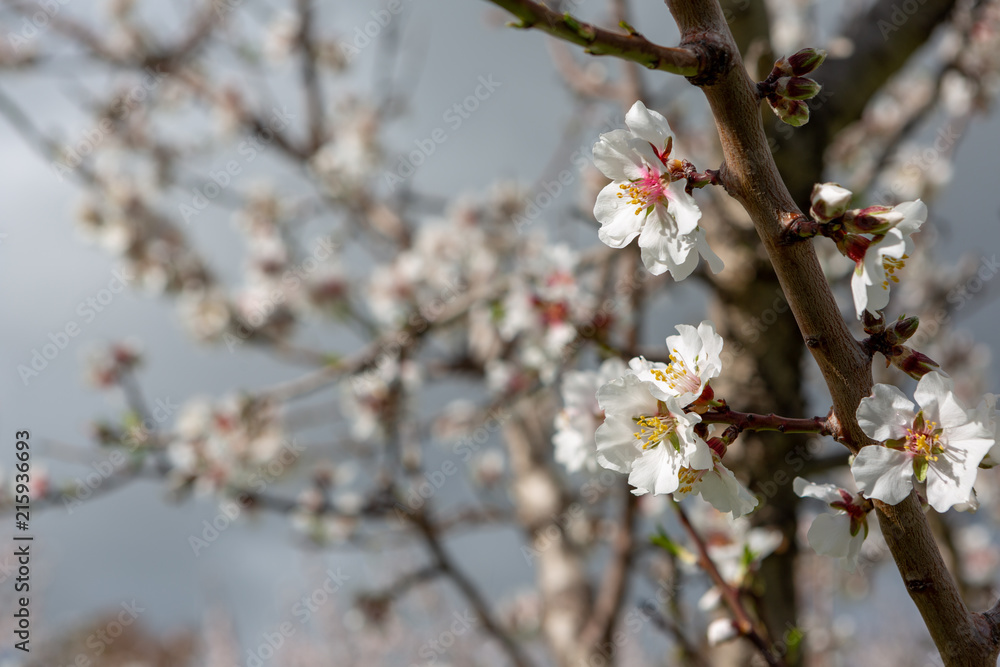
(876, 238)
(832, 217)
(830, 204)
(787, 87)
(889, 340)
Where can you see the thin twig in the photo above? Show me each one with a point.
(600, 42)
(730, 594)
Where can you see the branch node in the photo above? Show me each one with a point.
(714, 58)
(919, 585)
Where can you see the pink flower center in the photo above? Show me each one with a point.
(853, 506)
(924, 440)
(647, 191)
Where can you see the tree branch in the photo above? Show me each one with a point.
(748, 421)
(881, 48)
(600, 42)
(750, 175)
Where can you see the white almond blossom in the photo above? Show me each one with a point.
(695, 358)
(941, 443)
(885, 255)
(718, 486)
(577, 422)
(649, 439)
(841, 534)
(644, 200)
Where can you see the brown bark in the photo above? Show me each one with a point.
(750, 175)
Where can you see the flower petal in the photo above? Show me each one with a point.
(656, 471)
(914, 214)
(828, 493)
(883, 473)
(619, 223)
(830, 535)
(886, 414)
(616, 156)
(648, 125)
(725, 493)
(683, 208)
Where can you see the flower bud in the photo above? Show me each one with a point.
(903, 329)
(873, 324)
(829, 201)
(805, 61)
(717, 446)
(853, 246)
(913, 363)
(792, 112)
(872, 220)
(796, 87)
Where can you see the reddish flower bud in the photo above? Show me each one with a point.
(805, 61)
(717, 446)
(903, 329)
(796, 87)
(793, 112)
(873, 324)
(853, 246)
(913, 363)
(872, 220)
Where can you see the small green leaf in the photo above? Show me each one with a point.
(662, 540)
(920, 466)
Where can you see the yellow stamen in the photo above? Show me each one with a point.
(925, 442)
(891, 265)
(658, 427)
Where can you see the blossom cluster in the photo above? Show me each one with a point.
(651, 427)
(876, 238)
